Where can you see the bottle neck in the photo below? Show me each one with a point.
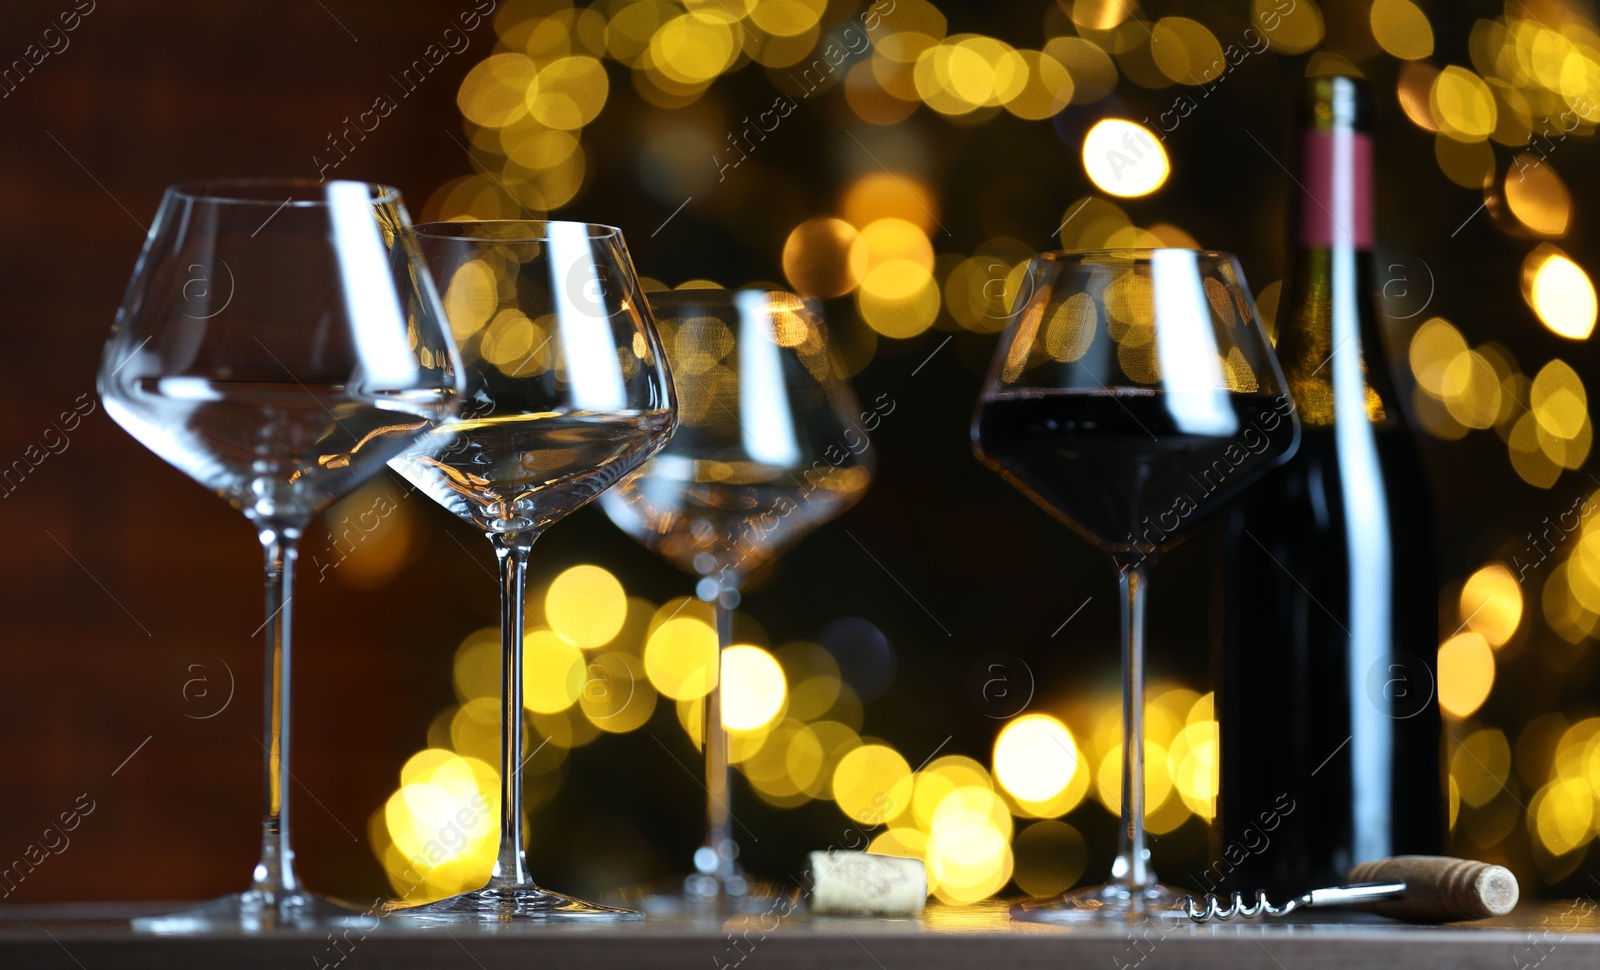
(1334, 206)
(1328, 333)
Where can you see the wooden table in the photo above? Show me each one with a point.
(97, 937)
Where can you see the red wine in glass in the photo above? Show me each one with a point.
(1117, 464)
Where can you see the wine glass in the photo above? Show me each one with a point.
(279, 341)
(769, 446)
(1132, 394)
(567, 391)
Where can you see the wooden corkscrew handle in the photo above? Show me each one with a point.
(1440, 889)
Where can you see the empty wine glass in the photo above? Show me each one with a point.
(567, 391)
(279, 341)
(1133, 393)
(768, 448)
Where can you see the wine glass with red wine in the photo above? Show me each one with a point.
(1133, 394)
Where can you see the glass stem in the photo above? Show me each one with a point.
(1131, 870)
(716, 857)
(511, 549)
(275, 877)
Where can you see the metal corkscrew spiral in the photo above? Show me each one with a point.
(1212, 907)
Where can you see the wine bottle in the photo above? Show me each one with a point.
(1330, 746)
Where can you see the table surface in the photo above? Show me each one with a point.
(98, 937)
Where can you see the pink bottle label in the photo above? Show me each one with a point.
(1335, 190)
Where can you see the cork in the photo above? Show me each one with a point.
(859, 883)
(1440, 889)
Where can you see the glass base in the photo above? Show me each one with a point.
(700, 894)
(1107, 902)
(253, 912)
(510, 904)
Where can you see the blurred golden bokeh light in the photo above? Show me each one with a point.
(1491, 603)
(552, 672)
(1048, 89)
(898, 295)
(1537, 196)
(1561, 816)
(1185, 51)
(569, 93)
(1401, 28)
(969, 852)
(756, 690)
(872, 784)
(586, 606)
(1288, 30)
(1480, 765)
(1123, 158)
(1466, 673)
(1462, 104)
(1193, 761)
(1157, 778)
(497, 90)
(681, 658)
(1414, 89)
(1560, 410)
(1560, 292)
(1035, 757)
(1098, 14)
(820, 258)
(442, 823)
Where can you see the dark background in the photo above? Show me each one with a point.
(118, 572)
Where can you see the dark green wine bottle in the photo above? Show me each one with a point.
(1328, 703)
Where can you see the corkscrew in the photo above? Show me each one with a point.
(1418, 889)
(1212, 908)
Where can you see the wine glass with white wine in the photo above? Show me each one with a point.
(567, 391)
(768, 448)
